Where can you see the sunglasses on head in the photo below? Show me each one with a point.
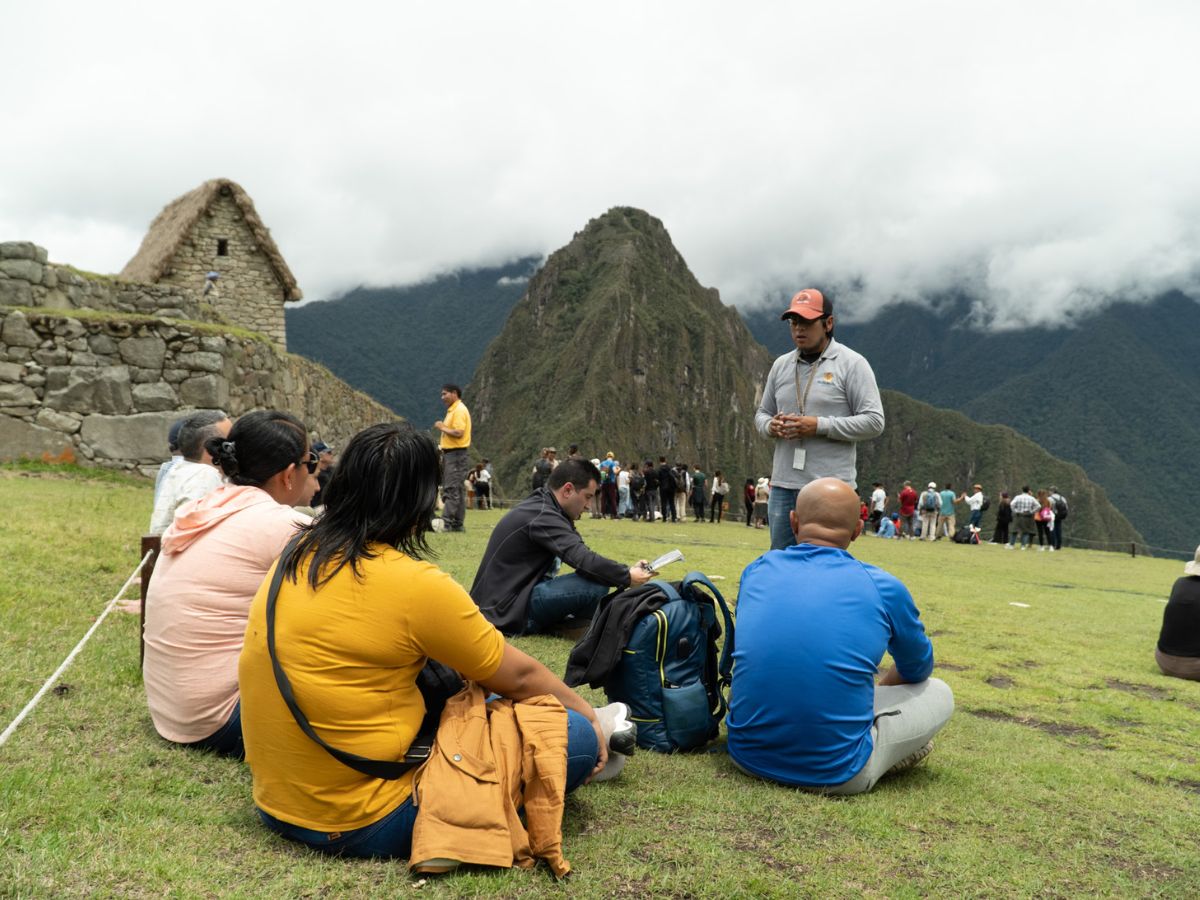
(310, 462)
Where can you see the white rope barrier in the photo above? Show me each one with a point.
(29, 707)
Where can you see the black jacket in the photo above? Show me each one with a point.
(521, 552)
(599, 651)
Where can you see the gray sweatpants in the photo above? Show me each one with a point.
(907, 716)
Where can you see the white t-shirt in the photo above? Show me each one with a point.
(185, 482)
(975, 501)
(878, 499)
(623, 478)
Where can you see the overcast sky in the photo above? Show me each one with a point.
(1045, 155)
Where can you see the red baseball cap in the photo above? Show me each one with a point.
(808, 304)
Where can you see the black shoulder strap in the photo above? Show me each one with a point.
(389, 770)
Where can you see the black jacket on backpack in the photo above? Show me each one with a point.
(599, 651)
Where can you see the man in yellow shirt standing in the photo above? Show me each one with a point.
(456, 439)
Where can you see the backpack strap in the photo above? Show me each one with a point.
(389, 770)
(725, 666)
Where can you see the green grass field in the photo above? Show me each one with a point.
(1070, 767)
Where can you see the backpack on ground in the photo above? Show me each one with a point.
(669, 671)
(1060, 506)
(966, 535)
(931, 501)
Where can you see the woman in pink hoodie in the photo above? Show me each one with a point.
(214, 557)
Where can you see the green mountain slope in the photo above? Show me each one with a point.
(616, 346)
(1114, 393)
(400, 345)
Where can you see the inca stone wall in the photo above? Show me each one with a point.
(248, 293)
(27, 279)
(105, 388)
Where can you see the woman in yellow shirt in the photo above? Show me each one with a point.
(359, 612)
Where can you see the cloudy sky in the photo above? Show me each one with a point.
(1042, 155)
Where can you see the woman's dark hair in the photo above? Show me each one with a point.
(260, 444)
(383, 491)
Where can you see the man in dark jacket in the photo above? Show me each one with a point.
(666, 490)
(516, 588)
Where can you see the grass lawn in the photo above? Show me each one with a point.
(1070, 767)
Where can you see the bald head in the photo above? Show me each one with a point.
(826, 514)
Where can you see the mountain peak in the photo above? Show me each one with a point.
(615, 338)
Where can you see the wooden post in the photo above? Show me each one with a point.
(150, 542)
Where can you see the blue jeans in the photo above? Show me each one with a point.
(226, 740)
(781, 502)
(554, 599)
(391, 836)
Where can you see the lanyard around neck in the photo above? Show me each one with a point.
(802, 399)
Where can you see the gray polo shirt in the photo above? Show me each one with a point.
(845, 400)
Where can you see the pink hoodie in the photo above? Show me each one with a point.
(214, 557)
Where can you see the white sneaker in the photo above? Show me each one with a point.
(620, 732)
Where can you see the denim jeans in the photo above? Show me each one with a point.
(391, 836)
(554, 599)
(226, 740)
(781, 502)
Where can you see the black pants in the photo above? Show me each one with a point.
(698, 506)
(716, 508)
(666, 499)
(749, 504)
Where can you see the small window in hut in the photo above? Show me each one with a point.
(222, 246)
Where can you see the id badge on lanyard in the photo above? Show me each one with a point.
(799, 454)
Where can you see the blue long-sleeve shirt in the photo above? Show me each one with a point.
(812, 625)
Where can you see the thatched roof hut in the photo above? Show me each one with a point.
(177, 222)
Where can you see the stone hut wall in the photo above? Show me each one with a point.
(27, 279)
(248, 294)
(104, 389)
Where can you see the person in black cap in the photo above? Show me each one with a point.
(819, 400)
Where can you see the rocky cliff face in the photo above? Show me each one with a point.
(616, 346)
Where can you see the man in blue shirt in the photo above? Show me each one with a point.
(812, 626)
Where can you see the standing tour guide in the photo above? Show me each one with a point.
(819, 400)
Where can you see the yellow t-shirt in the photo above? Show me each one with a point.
(352, 651)
(457, 417)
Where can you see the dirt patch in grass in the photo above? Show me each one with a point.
(951, 667)
(1031, 664)
(939, 632)
(1149, 871)
(1061, 729)
(1146, 690)
(1001, 681)
(1185, 784)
